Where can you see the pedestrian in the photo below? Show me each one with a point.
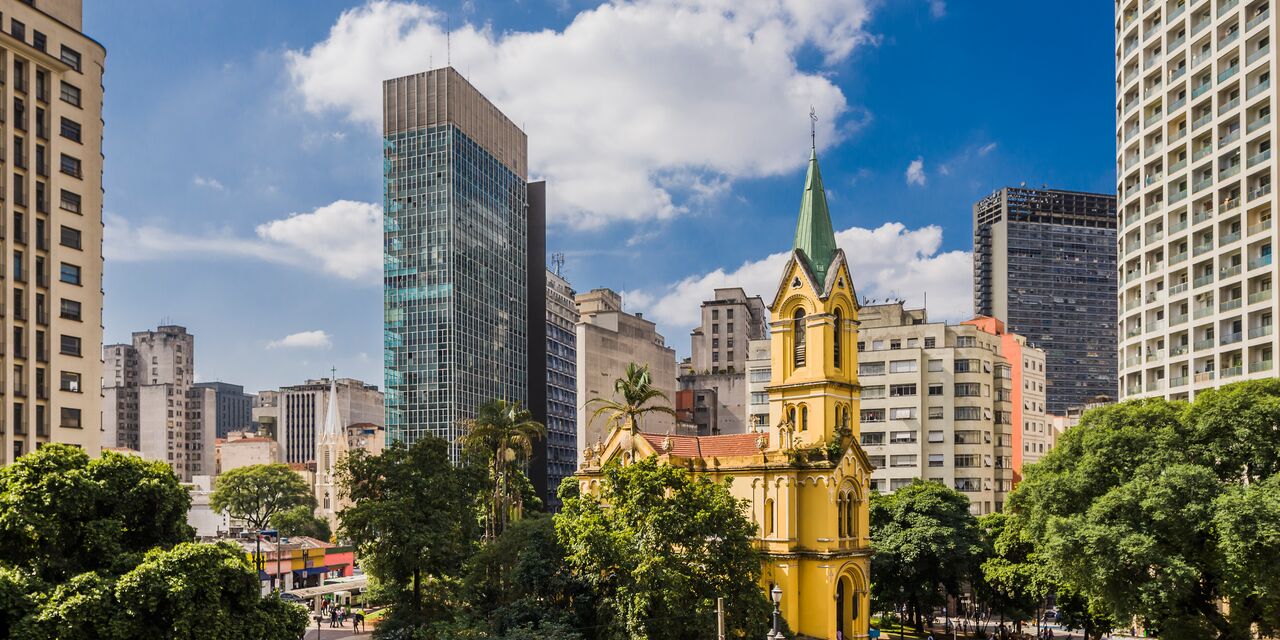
(333, 618)
(357, 620)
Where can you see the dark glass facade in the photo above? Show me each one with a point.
(562, 386)
(1044, 262)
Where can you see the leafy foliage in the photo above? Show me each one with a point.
(636, 397)
(301, 521)
(504, 433)
(256, 493)
(657, 546)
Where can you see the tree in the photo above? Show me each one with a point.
(258, 492)
(636, 395)
(62, 513)
(505, 433)
(658, 546)
(926, 544)
(411, 521)
(1154, 509)
(301, 521)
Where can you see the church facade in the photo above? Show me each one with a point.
(805, 482)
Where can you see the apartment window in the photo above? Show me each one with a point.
(966, 341)
(966, 366)
(70, 94)
(70, 345)
(936, 436)
(70, 382)
(728, 313)
(935, 366)
(902, 437)
(903, 460)
(70, 274)
(936, 389)
(69, 201)
(873, 438)
(913, 343)
(935, 413)
(877, 345)
(759, 397)
(930, 343)
(895, 344)
(900, 483)
(715, 356)
(70, 309)
(729, 328)
(872, 393)
(70, 237)
(70, 165)
(17, 29)
(870, 368)
(936, 460)
(39, 40)
(876, 485)
(876, 461)
(715, 314)
(71, 57)
(715, 343)
(969, 485)
(70, 418)
(903, 366)
(968, 389)
(968, 461)
(70, 129)
(902, 413)
(968, 413)
(760, 375)
(873, 415)
(902, 390)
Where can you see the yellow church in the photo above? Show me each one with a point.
(807, 480)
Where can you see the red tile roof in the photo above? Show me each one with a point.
(743, 444)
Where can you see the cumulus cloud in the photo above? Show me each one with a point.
(343, 239)
(938, 8)
(208, 183)
(628, 95)
(986, 148)
(915, 172)
(303, 340)
(889, 261)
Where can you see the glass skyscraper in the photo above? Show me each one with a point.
(1044, 263)
(457, 243)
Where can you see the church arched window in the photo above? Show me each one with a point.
(837, 339)
(768, 517)
(804, 417)
(326, 500)
(797, 338)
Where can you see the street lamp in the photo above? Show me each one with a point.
(775, 594)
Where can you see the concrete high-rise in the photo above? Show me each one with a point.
(729, 320)
(608, 340)
(1194, 171)
(464, 259)
(234, 406)
(151, 406)
(298, 413)
(1044, 263)
(562, 385)
(44, 53)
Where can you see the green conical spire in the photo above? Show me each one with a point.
(814, 235)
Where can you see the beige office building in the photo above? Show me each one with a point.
(729, 320)
(1194, 131)
(963, 404)
(50, 187)
(296, 414)
(608, 340)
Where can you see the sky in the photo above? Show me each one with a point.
(243, 154)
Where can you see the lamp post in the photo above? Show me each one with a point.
(775, 594)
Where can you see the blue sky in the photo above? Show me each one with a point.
(243, 175)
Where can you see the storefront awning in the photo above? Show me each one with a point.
(354, 584)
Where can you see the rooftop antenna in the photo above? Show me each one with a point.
(813, 129)
(557, 260)
(448, 40)
(333, 372)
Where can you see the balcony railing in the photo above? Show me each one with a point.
(1258, 88)
(1227, 6)
(1228, 305)
(1201, 345)
(1260, 261)
(1200, 24)
(1202, 280)
(1152, 61)
(1231, 372)
(1201, 216)
(1258, 192)
(1258, 332)
(1260, 296)
(1176, 320)
(1203, 312)
(1259, 123)
(1229, 204)
(1260, 365)
(1257, 20)
(1132, 361)
(1257, 55)
(1177, 196)
(1228, 238)
(1228, 72)
(1202, 248)
(1181, 286)
(1227, 272)
(1201, 121)
(1201, 185)
(1155, 236)
(1200, 89)
(1133, 331)
(1229, 138)
(1261, 156)
(1197, 154)
(1204, 376)
(1175, 13)
(1232, 338)
(1180, 381)
(1230, 171)
(1229, 105)
(1228, 39)
(1177, 227)
(1179, 350)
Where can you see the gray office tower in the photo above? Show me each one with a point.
(1044, 263)
(562, 384)
(464, 307)
(235, 407)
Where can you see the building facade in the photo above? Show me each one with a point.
(234, 406)
(608, 339)
(151, 406)
(562, 385)
(809, 505)
(242, 449)
(298, 413)
(460, 222)
(1194, 172)
(1044, 264)
(44, 52)
(729, 320)
(963, 404)
(759, 369)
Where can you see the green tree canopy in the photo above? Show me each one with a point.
(634, 397)
(258, 492)
(504, 433)
(411, 520)
(62, 513)
(1154, 509)
(658, 546)
(301, 521)
(926, 544)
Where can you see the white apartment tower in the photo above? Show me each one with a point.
(1193, 158)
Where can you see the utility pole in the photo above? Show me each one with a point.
(719, 618)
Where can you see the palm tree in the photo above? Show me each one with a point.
(636, 390)
(505, 431)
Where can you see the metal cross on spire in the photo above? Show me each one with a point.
(813, 128)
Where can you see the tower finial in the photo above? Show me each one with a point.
(813, 129)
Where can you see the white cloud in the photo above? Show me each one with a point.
(343, 239)
(624, 97)
(938, 8)
(986, 148)
(915, 172)
(303, 340)
(208, 183)
(890, 261)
